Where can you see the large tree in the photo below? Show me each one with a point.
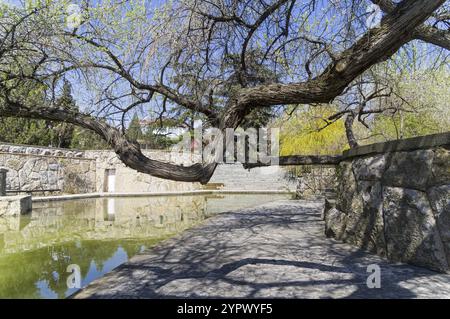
(177, 56)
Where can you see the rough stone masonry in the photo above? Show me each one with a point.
(46, 170)
(62, 171)
(396, 202)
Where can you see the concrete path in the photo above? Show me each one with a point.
(277, 250)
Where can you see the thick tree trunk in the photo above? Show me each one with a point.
(352, 142)
(397, 28)
(129, 152)
(378, 44)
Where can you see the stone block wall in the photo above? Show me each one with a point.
(51, 171)
(42, 169)
(15, 205)
(396, 203)
(61, 171)
(131, 181)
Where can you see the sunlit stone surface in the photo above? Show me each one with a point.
(276, 250)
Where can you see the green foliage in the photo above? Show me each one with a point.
(63, 132)
(255, 74)
(257, 118)
(40, 132)
(307, 133)
(25, 131)
(157, 141)
(404, 125)
(424, 101)
(86, 140)
(154, 140)
(304, 133)
(150, 137)
(134, 131)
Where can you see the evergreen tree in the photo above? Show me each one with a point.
(84, 139)
(63, 132)
(25, 131)
(41, 132)
(134, 131)
(154, 139)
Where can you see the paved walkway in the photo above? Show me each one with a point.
(275, 250)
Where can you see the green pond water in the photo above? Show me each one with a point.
(97, 235)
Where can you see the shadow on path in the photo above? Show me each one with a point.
(278, 250)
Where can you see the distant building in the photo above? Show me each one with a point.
(168, 131)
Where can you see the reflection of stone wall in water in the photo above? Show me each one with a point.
(396, 204)
(130, 181)
(101, 219)
(47, 169)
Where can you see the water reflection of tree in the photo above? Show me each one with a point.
(74, 232)
(61, 222)
(20, 273)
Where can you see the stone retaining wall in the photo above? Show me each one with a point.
(396, 203)
(39, 150)
(52, 171)
(13, 206)
(131, 181)
(43, 169)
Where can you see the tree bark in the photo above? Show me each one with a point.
(432, 35)
(378, 44)
(397, 28)
(352, 142)
(425, 33)
(128, 151)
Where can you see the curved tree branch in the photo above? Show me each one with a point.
(434, 36)
(129, 152)
(378, 44)
(425, 33)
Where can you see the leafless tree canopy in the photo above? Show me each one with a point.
(220, 59)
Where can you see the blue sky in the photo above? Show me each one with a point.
(80, 93)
